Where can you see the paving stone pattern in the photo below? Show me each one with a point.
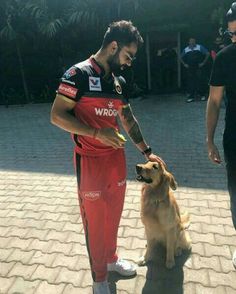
(42, 246)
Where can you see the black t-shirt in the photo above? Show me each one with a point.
(224, 74)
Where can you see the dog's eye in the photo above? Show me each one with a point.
(155, 166)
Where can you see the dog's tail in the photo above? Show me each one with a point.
(185, 220)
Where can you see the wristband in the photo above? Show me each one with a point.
(95, 133)
(147, 151)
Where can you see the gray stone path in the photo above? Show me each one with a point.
(42, 247)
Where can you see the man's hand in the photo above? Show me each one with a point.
(186, 65)
(155, 158)
(200, 65)
(213, 153)
(111, 137)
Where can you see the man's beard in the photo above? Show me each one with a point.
(115, 66)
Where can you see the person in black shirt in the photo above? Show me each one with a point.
(218, 45)
(223, 77)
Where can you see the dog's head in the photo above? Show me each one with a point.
(155, 174)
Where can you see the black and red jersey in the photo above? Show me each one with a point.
(97, 98)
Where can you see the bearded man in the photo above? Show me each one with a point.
(91, 96)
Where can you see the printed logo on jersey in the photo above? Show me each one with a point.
(110, 104)
(67, 81)
(121, 183)
(109, 111)
(95, 84)
(70, 73)
(91, 195)
(117, 86)
(67, 90)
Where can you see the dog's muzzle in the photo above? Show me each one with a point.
(139, 177)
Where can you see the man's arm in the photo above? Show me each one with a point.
(207, 55)
(181, 58)
(62, 117)
(212, 115)
(205, 60)
(131, 126)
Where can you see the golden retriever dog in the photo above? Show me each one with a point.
(160, 213)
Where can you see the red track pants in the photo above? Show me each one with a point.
(101, 191)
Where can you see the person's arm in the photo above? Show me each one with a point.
(181, 58)
(207, 55)
(212, 115)
(131, 126)
(205, 60)
(61, 116)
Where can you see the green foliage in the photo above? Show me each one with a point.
(42, 38)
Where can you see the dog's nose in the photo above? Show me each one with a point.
(138, 168)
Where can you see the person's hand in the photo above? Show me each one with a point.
(186, 65)
(111, 137)
(200, 65)
(213, 153)
(155, 158)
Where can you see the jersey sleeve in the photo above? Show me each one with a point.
(71, 84)
(182, 53)
(203, 50)
(218, 73)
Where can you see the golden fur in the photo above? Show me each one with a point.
(160, 213)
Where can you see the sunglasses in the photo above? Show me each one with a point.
(229, 33)
(128, 55)
(131, 58)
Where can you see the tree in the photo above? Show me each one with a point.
(48, 15)
(12, 30)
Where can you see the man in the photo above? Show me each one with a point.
(218, 45)
(194, 57)
(169, 65)
(90, 97)
(224, 78)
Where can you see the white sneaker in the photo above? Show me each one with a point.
(189, 100)
(234, 259)
(101, 288)
(122, 267)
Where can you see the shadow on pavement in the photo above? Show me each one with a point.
(175, 130)
(161, 280)
(114, 278)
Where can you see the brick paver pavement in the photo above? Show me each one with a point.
(42, 247)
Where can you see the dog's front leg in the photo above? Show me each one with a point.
(170, 248)
(148, 254)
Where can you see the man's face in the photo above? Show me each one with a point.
(232, 28)
(123, 57)
(192, 42)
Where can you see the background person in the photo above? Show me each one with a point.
(194, 57)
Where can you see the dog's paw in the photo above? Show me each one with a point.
(170, 264)
(189, 246)
(141, 261)
(178, 251)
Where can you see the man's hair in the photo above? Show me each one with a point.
(231, 14)
(124, 33)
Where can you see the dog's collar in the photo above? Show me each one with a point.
(158, 201)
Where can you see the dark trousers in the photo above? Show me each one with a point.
(194, 81)
(230, 160)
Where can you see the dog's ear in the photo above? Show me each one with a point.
(172, 181)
